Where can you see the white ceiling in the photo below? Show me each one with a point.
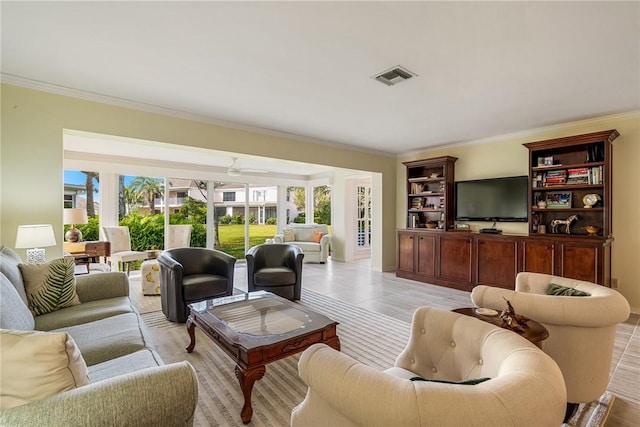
(305, 68)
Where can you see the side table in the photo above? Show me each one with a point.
(535, 332)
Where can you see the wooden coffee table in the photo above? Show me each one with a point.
(535, 332)
(258, 328)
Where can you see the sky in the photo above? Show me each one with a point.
(77, 177)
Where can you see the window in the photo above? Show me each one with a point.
(229, 196)
(259, 195)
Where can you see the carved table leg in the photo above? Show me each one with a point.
(247, 379)
(191, 328)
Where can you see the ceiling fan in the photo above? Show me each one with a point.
(234, 170)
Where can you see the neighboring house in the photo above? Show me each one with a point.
(75, 197)
(229, 199)
(71, 193)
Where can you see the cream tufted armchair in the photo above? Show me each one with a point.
(581, 329)
(525, 385)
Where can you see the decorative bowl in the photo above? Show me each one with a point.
(592, 229)
(432, 224)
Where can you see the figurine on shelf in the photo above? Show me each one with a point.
(513, 321)
(566, 222)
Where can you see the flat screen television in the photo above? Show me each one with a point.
(495, 199)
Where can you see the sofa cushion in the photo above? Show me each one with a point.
(308, 246)
(14, 313)
(50, 286)
(288, 235)
(37, 364)
(109, 338)
(274, 276)
(9, 261)
(146, 358)
(84, 313)
(317, 236)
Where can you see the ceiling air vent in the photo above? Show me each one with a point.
(394, 75)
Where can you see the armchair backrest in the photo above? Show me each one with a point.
(274, 255)
(119, 238)
(179, 236)
(198, 261)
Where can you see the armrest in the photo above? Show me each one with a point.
(162, 395)
(278, 238)
(92, 287)
(339, 383)
(591, 311)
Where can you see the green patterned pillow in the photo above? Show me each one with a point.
(50, 286)
(554, 289)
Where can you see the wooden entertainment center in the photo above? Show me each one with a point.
(571, 175)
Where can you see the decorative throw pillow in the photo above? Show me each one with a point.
(554, 289)
(37, 364)
(465, 382)
(289, 236)
(317, 236)
(50, 286)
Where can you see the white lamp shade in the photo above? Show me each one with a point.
(74, 216)
(35, 236)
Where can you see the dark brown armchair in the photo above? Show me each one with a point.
(275, 268)
(189, 275)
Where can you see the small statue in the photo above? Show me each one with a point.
(566, 222)
(513, 321)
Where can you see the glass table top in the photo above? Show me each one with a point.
(256, 313)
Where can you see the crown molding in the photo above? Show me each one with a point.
(14, 80)
(529, 133)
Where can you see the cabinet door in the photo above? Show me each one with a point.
(581, 261)
(538, 256)
(405, 251)
(426, 261)
(455, 257)
(497, 262)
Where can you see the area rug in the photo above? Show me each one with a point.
(371, 338)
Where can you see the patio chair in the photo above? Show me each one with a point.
(121, 247)
(179, 236)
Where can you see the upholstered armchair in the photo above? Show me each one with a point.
(120, 241)
(582, 329)
(275, 268)
(189, 275)
(525, 386)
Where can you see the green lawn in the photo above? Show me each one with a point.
(232, 237)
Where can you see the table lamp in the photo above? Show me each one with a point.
(35, 237)
(74, 216)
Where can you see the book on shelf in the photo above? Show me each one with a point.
(417, 203)
(595, 175)
(577, 172)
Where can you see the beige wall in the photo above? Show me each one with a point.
(506, 156)
(31, 176)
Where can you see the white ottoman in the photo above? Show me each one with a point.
(150, 277)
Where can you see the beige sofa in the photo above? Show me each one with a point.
(301, 235)
(129, 383)
(582, 330)
(525, 386)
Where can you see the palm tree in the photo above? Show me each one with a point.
(132, 200)
(91, 209)
(148, 187)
